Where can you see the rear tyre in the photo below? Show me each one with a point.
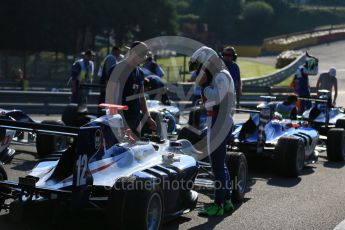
(340, 123)
(70, 115)
(138, 208)
(198, 141)
(3, 174)
(238, 168)
(336, 144)
(289, 154)
(49, 144)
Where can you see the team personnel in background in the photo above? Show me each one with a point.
(104, 71)
(218, 96)
(82, 73)
(329, 81)
(153, 82)
(129, 88)
(229, 57)
(300, 82)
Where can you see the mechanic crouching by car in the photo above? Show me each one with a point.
(128, 80)
(82, 72)
(218, 96)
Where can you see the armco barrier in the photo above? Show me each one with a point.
(302, 39)
(45, 102)
(279, 76)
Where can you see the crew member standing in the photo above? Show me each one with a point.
(218, 98)
(229, 57)
(82, 73)
(128, 81)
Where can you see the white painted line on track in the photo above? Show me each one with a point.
(340, 226)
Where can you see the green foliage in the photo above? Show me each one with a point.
(257, 13)
(257, 10)
(221, 17)
(71, 26)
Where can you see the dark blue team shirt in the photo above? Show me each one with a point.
(234, 72)
(132, 87)
(302, 84)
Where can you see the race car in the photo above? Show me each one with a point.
(289, 142)
(138, 184)
(330, 122)
(45, 144)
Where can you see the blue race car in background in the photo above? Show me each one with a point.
(290, 143)
(330, 122)
(138, 185)
(45, 144)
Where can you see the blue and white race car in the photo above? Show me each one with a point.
(330, 122)
(289, 142)
(139, 184)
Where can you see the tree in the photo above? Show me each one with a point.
(256, 19)
(221, 17)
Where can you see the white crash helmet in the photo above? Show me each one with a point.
(201, 57)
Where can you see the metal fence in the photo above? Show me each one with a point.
(277, 77)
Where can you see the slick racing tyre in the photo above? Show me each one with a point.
(3, 175)
(49, 144)
(336, 144)
(238, 169)
(340, 123)
(289, 154)
(2, 134)
(135, 208)
(70, 116)
(198, 141)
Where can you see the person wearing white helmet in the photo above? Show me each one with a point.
(328, 81)
(218, 96)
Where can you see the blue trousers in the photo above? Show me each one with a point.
(221, 171)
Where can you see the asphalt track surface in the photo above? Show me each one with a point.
(315, 200)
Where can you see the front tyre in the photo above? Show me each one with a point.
(336, 144)
(289, 154)
(238, 168)
(136, 208)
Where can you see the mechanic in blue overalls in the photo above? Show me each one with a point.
(229, 57)
(218, 95)
(82, 72)
(153, 80)
(132, 88)
(301, 81)
(104, 71)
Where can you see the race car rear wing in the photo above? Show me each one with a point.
(324, 101)
(88, 140)
(39, 128)
(264, 117)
